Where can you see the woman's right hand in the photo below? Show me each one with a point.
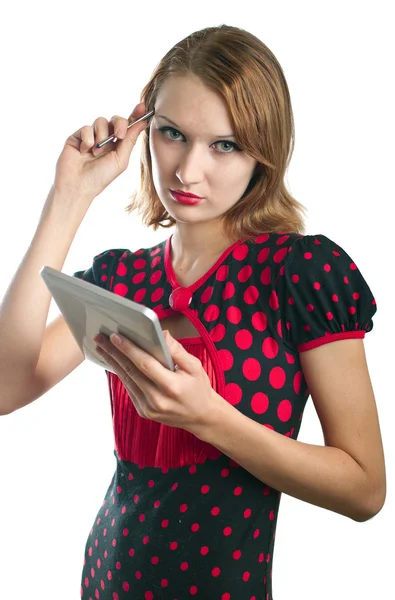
(86, 170)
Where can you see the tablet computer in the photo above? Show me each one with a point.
(89, 309)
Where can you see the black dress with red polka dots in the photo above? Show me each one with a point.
(180, 519)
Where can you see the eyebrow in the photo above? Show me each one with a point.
(231, 135)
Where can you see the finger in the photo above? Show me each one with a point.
(149, 367)
(120, 126)
(134, 391)
(183, 359)
(130, 370)
(102, 130)
(124, 147)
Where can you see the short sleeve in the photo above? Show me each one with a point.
(322, 294)
(103, 268)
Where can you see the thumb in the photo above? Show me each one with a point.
(180, 356)
(125, 146)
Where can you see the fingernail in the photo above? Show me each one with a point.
(116, 339)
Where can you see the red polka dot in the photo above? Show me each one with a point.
(227, 531)
(222, 273)
(121, 289)
(295, 278)
(240, 252)
(211, 313)
(353, 266)
(216, 571)
(284, 410)
(204, 550)
(121, 269)
(273, 300)
(243, 339)
(126, 586)
(310, 307)
(355, 296)
(229, 291)
(218, 333)
(352, 310)
(297, 381)
(208, 292)
(233, 314)
(173, 545)
(193, 590)
(139, 295)
(157, 294)
(226, 359)
(215, 511)
(262, 238)
(244, 273)
(266, 276)
(279, 255)
(251, 369)
(317, 286)
(329, 316)
(270, 347)
(139, 277)
(308, 255)
(184, 566)
(327, 268)
(263, 254)
(277, 377)
(236, 554)
(155, 277)
(251, 295)
(205, 489)
(155, 261)
(233, 393)
(259, 403)
(259, 321)
(246, 576)
(139, 263)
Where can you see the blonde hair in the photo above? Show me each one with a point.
(242, 69)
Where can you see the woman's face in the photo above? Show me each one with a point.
(192, 150)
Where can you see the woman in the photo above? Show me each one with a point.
(257, 317)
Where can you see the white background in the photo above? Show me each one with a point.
(63, 66)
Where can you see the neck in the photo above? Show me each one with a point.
(192, 244)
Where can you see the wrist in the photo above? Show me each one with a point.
(219, 410)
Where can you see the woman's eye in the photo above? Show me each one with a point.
(229, 147)
(168, 132)
(173, 135)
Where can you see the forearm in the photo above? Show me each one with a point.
(25, 306)
(322, 475)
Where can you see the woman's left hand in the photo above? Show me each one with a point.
(183, 398)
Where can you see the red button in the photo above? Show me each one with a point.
(180, 298)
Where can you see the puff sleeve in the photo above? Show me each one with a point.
(322, 294)
(103, 268)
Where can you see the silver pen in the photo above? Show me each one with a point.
(112, 138)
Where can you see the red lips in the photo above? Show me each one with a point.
(187, 194)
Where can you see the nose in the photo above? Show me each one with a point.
(190, 167)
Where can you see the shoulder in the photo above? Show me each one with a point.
(323, 293)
